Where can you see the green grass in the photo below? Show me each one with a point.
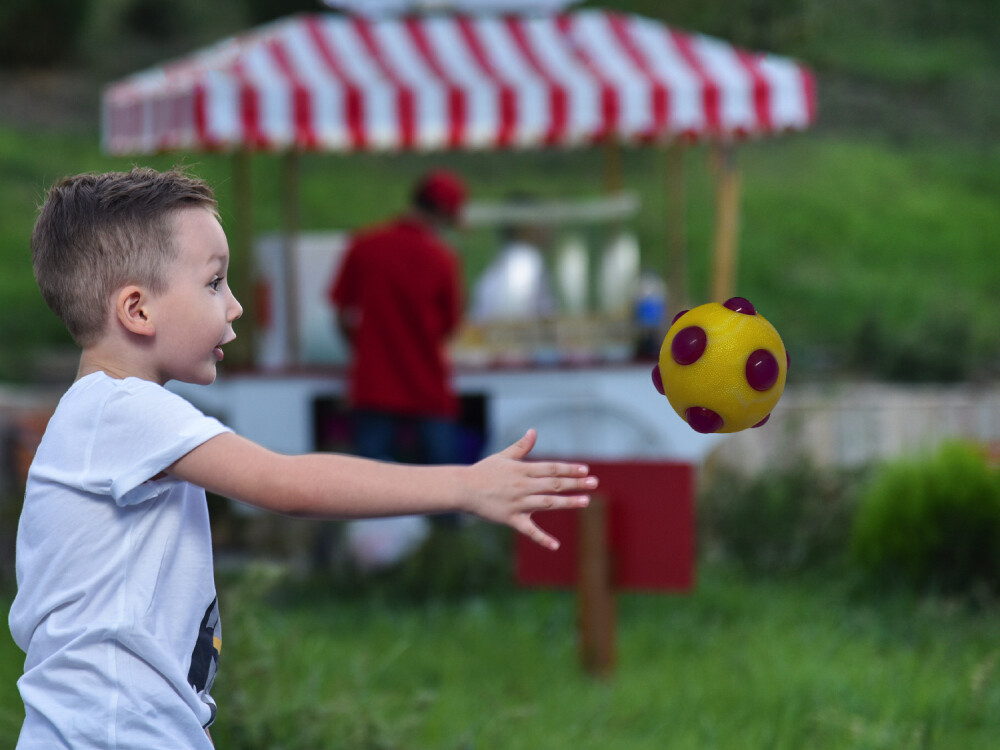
(740, 663)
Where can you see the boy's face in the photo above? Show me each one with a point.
(194, 316)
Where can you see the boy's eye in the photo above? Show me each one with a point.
(214, 283)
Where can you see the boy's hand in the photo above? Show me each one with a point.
(502, 488)
(507, 489)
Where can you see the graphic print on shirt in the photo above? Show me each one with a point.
(207, 648)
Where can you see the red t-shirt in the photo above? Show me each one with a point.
(405, 283)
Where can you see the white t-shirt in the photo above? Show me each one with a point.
(515, 286)
(116, 607)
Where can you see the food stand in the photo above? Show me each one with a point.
(455, 80)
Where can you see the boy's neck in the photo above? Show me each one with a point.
(96, 359)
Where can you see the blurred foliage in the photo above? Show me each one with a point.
(454, 562)
(116, 36)
(872, 260)
(40, 32)
(936, 347)
(120, 36)
(260, 11)
(781, 521)
(800, 26)
(932, 522)
(867, 240)
(10, 511)
(56, 31)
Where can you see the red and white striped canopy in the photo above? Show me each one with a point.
(342, 83)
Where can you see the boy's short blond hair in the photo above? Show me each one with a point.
(96, 233)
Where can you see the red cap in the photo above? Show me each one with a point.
(442, 192)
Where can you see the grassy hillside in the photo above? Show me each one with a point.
(868, 240)
(868, 256)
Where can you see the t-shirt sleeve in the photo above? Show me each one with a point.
(140, 431)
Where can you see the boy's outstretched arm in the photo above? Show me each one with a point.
(503, 487)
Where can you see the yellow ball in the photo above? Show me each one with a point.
(722, 367)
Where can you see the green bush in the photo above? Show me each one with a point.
(784, 520)
(932, 522)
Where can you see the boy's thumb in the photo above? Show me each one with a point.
(522, 447)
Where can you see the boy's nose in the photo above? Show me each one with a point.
(235, 310)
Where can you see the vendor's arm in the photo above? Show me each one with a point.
(343, 294)
(503, 487)
(347, 322)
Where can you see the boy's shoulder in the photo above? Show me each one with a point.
(99, 386)
(109, 436)
(134, 398)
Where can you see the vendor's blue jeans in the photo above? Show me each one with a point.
(379, 435)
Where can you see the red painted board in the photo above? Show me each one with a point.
(650, 529)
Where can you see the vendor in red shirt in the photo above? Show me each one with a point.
(398, 295)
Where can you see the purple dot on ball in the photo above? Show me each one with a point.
(703, 420)
(762, 370)
(762, 422)
(740, 305)
(678, 316)
(658, 380)
(688, 345)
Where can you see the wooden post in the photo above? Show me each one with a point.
(595, 595)
(244, 262)
(676, 231)
(727, 209)
(290, 239)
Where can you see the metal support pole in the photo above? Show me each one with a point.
(676, 230)
(290, 239)
(243, 261)
(614, 180)
(727, 215)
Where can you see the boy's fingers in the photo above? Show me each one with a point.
(529, 528)
(556, 469)
(562, 485)
(553, 502)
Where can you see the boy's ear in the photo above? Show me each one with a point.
(132, 311)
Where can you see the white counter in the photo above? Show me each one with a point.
(606, 412)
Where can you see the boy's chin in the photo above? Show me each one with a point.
(201, 377)
(209, 378)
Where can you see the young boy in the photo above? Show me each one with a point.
(116, 606)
